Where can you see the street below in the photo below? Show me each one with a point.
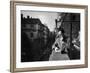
(58, 56)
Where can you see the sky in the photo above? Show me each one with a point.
(47, 18)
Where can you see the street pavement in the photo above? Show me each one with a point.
(58, 56)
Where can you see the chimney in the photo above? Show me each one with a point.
(28, 17)
(21, 15)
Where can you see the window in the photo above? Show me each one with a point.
(31, 35)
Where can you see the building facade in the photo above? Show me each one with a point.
(70, 22)
(37, 34)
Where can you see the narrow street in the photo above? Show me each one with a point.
(58, 56)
